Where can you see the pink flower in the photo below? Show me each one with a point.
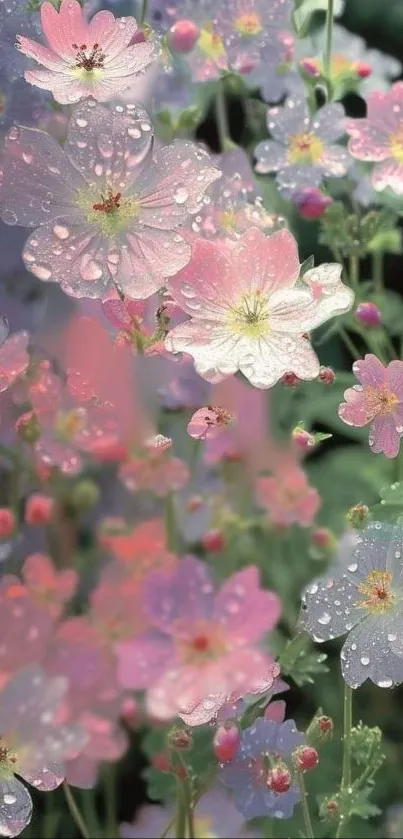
(107, 209)
(141, 549)
(155, 469)
(377, 399)
(287, 496)
(14, 359)
(83, 59)
(25, 626)
(207, 423)
(202, 647)
(379, 137)
(34, 743)
(116, 605)
(48, 587)
(248, 310)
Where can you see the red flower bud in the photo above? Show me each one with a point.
(213, 541)
(290, 380)
(311, 202)
(323, 538)
(303, 439)
(39, 509)
(226, 741)
(183, 36)
(326, 375)
(310, 67)
(325, 725)
(368, 314)
(279, 779)
(363, 69)
(306, 758)
(7, 522)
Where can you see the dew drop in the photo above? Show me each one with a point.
(385, 683)
(134, 132)
(90, 269)
(9, 799)
(364, 660)
(353, 567)
(392, 636)
(61, 231)
(181, 195)
(41, 271)
(9, 217)
(325, 619)
(82, 123)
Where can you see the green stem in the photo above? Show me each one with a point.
(329, 39)
(221, 116)
(354, 272)
(87, 799)
(305, 807)
(377, 271)
(349, 343)
(167, 829)
(347, 726)
(143, 13)
(181, 812)
(75, 812)
(171, 529)
(110, 796)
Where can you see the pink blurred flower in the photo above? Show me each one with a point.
(25, 626)
(48, 587)
(116, 604)
(34, 743)
(14, 359)
(377, 399)
(288, 497)
(106, 207)
(83, 59)
(208, 422)
(155, 469)
(379, 137)
(202, 647)
(141, 549)
(248, 311)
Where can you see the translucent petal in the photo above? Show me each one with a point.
(368, 651)
(186, 595)
(246, 611)
(293, 118)
(15, 807)
(329, 608)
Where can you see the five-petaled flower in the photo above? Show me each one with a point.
(366, 601)
(97, 59)
(250, 312)
(377, 399)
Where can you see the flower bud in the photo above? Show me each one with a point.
(290, 380)
(213, 541)
(279, 779)
(324, 539)
(325, 725)
(7, 522)
(39, 509)
(163, 764)
(368, 314)
(195, 502)
(303, 438)
(28, 428)
(329, 810)
(226, 741)
(180, 739)
(363, 69)
(311, 202)
(183, 36)
(85, 495)
(310, 67)
(130, 712)
(306, 758)
(357, 516)
(326, 375)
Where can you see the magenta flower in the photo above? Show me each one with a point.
(288, 497)
(377, 399)
(202, 644)
(83, 59)
(34, 743)
(107, 210)
(248, 311)
(379, 138)
(303, 150)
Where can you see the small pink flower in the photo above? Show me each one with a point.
(48, 587)
(83, 59)
(141, 549)
(287, 497)
(155, 469)
(8, 522)
(377, 399)
(25, 626)
(379, 137)
(208, 422)
(249, 311)
(202, 647)
(39, 509)
(14, 359)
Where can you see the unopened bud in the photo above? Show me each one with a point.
(180, 739)
(311, 202)
(7, 522)
(326, 375)
(357, 516)
(213, 541)
(363, 69)
(39, 509)
(324, 539)
(290, 380)
(226, 741)
(329, 810)
(183, 36)
(310, 67)
(325, 725)
(306, 758)
(279, 779)
(85, 495)
(368, 314)
(303, 438)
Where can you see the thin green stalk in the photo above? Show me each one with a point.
(143, 13)
(347, 726)
(329, 39)
(181, 812)
(167, 829)
(87, 799)
(222, 116)
(354, 271)
(305, 807)
(377, 271)
(171, 528)
(75, 812)
(110, 800)
(349, 343)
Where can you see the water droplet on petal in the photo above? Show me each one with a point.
(364, 660)
(41, 271)
(89, 268)
(392, 636)
(385, 683)
(61, 231)
(82, 123)
(325, 619)
(353, 567)
(181, 195)
(9, 799)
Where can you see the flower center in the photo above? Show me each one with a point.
(379, 401)
(221, 418)
(305, 148)
(89, 58)
(376, 589)
(106, 209)
(8, 761)
(248, 24)
(200, 642)
(70, 423)
(251, 317)
(396, 144)
(111, 204)
(210, 43)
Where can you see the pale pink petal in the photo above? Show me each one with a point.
(46, 779)
(14, 359)
(388, 174)
(394, 376)
(246, 611)
(354, 411)
(275, 711)
(193, 284)
(384, 437)
(142, 660)
(15, 807)
(41, 54)
(185, 596)
(369, 371)
(58, 36)
(275, 261)
(368, 141)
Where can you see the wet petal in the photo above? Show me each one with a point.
(15, 807)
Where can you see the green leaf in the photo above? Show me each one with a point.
(301, 664)
(304, 11)
(306, 266)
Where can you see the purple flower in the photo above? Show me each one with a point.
(33, 743)
(266, 742)
(107, 210)
(302, 150)
(364, 600)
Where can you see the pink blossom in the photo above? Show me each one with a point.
(83, 59)
(140, 549)
(288, 497)
(116, 604)
(106, 207)
(25, 626)
(202, 645)
(208, 422)
(155, 469)
(35, 744)
(48, 587)
(379, 137)
(14, 359)
(248, 311)
(377, 399)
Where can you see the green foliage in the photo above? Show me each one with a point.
(390, 508)
(305, 9)
(300, 661)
